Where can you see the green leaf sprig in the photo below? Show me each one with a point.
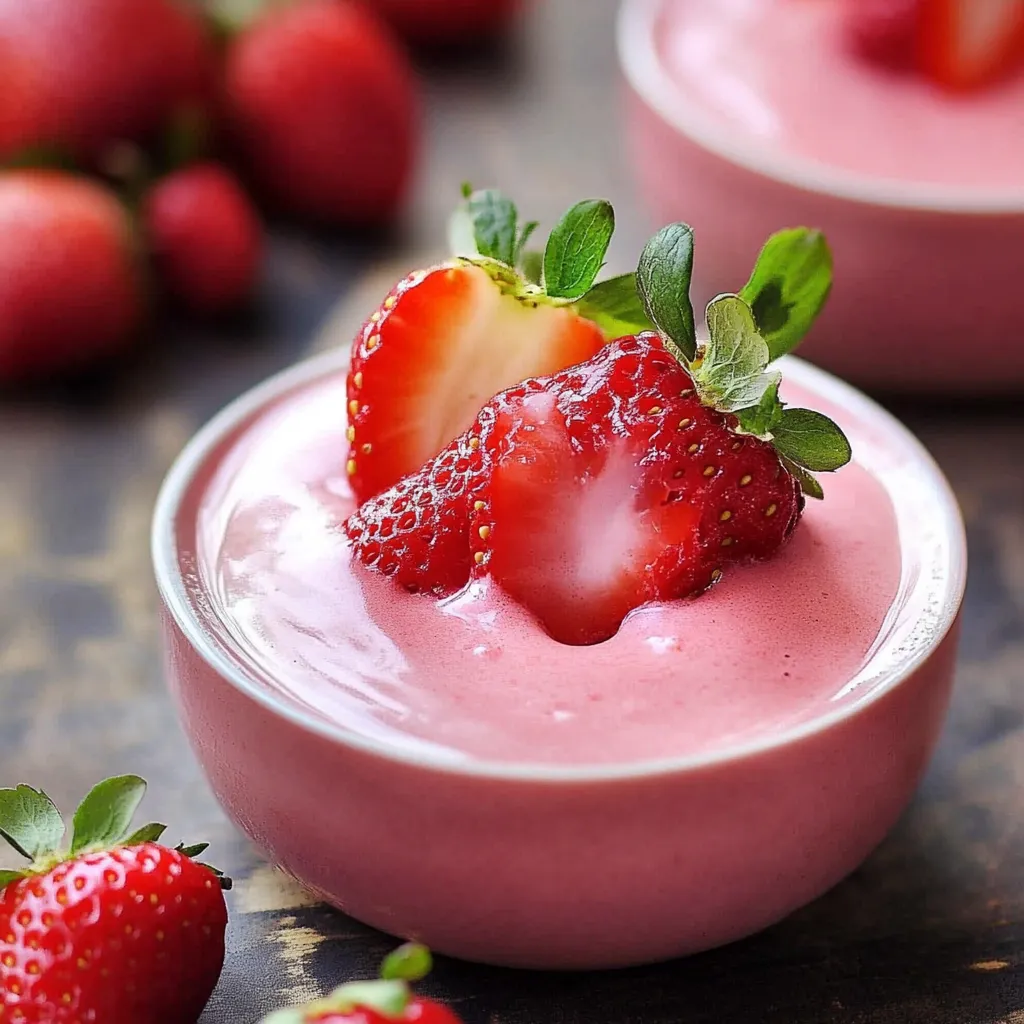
(746, 334)
(485, 229)
(32, 825)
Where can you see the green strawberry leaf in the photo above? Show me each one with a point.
(192, 851)
(484, 224)
(6, 877)
(577, 247)
(808, 484)
(150, 833)
(410, 962)
(761, 419)
(531, 266)
(730, 372)
(663, 279)
(616, 307)
(811, 440)
(790, 283)
(104, 816)
(30, 822)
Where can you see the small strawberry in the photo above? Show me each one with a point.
(448, 22)
(641, 474)
(965, 44)
(387, 1001)
(446, 339)
(206, 237)
(116, 928)
(324, 107)
(104, 70)
(417, 532)
(883, 31)
(70, 284)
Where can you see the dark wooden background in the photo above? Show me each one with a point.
(929, 931)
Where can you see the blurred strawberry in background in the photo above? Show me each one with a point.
(170, 106)
(70, 280)
(322, 106)
(958, 44)
(205, 236)
(448, 22)
(98, 71)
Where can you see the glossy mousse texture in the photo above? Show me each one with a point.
(474, 677)
(781, 73)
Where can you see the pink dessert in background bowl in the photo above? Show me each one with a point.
(446, 771)
(745, 114)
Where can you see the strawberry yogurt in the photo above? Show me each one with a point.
(474, 677)
(781, 73)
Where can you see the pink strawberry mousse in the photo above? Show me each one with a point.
(474, 678)
(782, 73)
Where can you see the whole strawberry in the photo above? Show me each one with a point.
(206, 237)
(387, 1001)
(637, 476)
(104, 71)
(70, 283)
(448, 22)
(115, 928)
(324, 109)
(446, 339)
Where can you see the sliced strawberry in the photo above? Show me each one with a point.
(883, 31)
(965, 44)
(612, 485)
(442, 343)
(446, 340)
(636, 476)
(417, 532)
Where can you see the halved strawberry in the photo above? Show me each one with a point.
(445, 340)
(965, 44)
(636, 476)
(612, 485)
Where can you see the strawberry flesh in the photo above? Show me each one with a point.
(440, 346)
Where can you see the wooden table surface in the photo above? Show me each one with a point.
(929, 931)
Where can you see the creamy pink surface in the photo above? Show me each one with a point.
(780, 72)
(476, 677)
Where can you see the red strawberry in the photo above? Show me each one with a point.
(612, 484)
(445, 340)
(69, 281)
(116, 929)
(388, 1001)
(417, 531)
(105, 70)
(637, 476)
(965, 44)
(448, 22)
(324, 108)
(884, 31)
(206, 237)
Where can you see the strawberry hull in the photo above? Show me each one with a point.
(710, 843)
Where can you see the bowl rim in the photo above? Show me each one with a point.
(950, 585)
(648, 77)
